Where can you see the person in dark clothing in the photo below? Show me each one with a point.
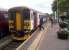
(41, 22)
(51, 21)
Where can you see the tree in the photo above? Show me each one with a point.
(63, 5)
(54, 6)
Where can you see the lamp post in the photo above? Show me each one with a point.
(57, 12)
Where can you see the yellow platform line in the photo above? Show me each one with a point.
(29, 39)
(34, 45)
(24, 42)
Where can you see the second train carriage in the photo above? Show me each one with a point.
(43, 17)
(4, 29)
(22, 21)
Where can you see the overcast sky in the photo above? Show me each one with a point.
(40, 5)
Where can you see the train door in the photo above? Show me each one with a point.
(18, 21)
(26, 20)
(38, 19)
(35, 20)
(32, 20)
(12, 17)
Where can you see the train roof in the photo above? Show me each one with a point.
(3, 12)
(20, 8)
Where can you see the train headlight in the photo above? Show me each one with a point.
(26, 25)
(11, 26)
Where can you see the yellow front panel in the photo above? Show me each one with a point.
(18, 21)
(27, 25)
(11, 24)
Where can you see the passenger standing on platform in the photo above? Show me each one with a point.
(41, 22)
(51, 21)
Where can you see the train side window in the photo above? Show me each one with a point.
(35, 15)
(32, 16)
(6, 15)
(2, 17)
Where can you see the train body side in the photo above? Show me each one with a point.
(4, 29)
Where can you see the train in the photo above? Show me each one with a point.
(4, 25)
(23, 21)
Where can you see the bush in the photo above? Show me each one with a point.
(62, 25)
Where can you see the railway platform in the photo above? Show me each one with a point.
(49, 40)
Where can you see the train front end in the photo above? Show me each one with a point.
(20, 24)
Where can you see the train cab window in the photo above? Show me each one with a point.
(12, 15)
(26, 14)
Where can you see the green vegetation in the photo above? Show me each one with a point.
(63, 5)
(65, 31)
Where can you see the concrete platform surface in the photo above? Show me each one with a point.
(49, 40)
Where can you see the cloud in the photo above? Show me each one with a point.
(41, 5)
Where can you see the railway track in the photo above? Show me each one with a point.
(18, 45)
(12, 45)
(7, 43)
